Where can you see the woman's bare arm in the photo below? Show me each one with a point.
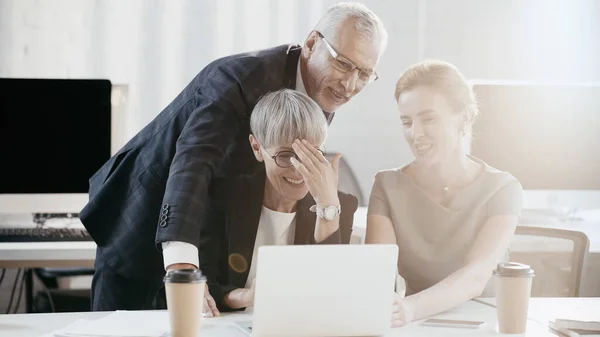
(468, 282)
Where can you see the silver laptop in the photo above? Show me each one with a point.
(323, 290)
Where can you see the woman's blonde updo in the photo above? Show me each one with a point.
(445, 78)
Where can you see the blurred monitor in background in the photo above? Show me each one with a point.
(547, 136)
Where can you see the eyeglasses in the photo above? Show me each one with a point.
(345, 65)
(283, 158)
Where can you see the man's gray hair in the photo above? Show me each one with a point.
(365, 22)
(282, 116)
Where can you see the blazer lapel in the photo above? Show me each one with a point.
(244, 205)
(291, 66)
(305, 221)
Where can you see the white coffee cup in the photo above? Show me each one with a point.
(184, 290)
(513, 289)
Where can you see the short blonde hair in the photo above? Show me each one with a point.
(445, 78)
(282, 116)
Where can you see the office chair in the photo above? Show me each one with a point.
(347, 180)
(556, 255)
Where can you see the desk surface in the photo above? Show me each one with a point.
(82, 254)
(543, 310)
(34, 325)
(47, 254)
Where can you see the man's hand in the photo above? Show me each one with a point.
(210, 306)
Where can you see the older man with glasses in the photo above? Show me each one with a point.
(146, 204)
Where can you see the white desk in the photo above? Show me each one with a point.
(47, 254)
(542, 310)
(82, 254)
(34, 325)
(591, 229)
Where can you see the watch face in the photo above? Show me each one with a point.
(330, 212)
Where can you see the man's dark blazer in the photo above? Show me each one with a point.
(155, 188)
(229, 231)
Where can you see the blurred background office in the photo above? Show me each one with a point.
(533, 64)
(156, 47)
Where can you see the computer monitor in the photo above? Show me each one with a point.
(54, 134)
(547, 136)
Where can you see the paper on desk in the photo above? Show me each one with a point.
(576, 328)
(65, 328)
(137, 324)
(119, 324)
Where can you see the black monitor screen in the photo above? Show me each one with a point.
(54, 134)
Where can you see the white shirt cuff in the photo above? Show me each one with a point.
(179, 252)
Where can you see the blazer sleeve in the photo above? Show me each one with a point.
(219, 111)
(212, 256)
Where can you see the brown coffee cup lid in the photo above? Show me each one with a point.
(513, 269)
(184, 276)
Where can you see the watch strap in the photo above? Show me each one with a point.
(321, 211)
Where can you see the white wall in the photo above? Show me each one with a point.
(546, 41)
(534, 40)
(157, 46)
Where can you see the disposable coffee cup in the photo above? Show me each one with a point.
(513, 289)
(184, 290)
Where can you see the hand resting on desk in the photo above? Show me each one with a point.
(240, 298)
(401, 313)
(210, 306)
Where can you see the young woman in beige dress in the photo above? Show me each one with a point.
(451, 215)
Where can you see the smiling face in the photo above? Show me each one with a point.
(278, 119)
(432, 128)
(325, 82)
(284, 182)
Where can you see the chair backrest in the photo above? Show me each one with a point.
(347, 180)
(557, 257)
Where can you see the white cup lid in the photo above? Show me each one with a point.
(513, 269)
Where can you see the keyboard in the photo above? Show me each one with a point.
(32, 234)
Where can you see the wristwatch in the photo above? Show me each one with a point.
(328, 213)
